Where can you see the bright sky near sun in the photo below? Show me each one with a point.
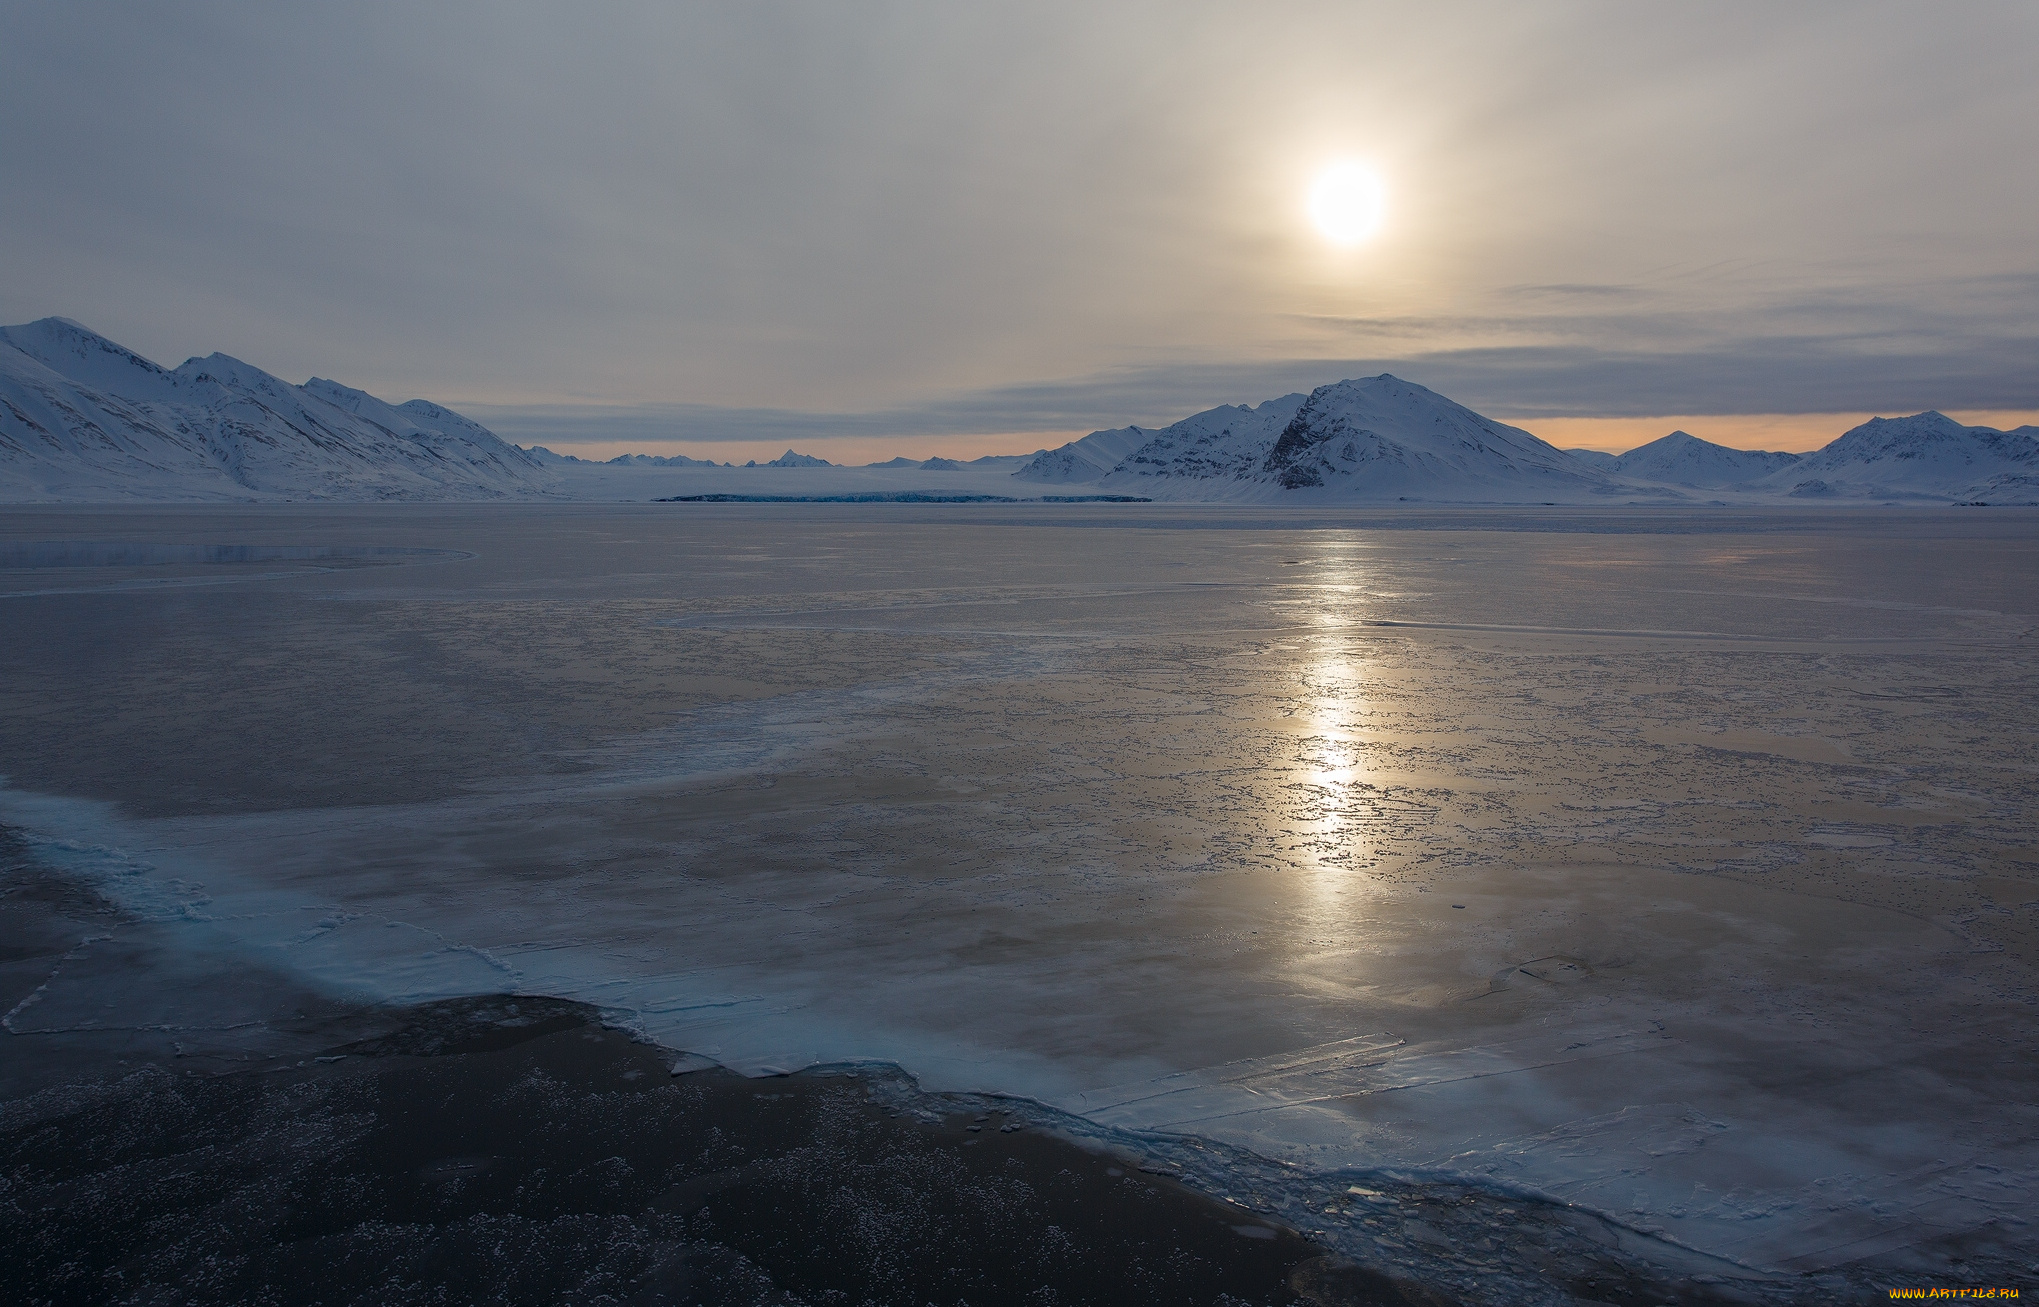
(770, 223)
(1347, 202)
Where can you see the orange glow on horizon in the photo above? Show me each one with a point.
(1791, 433)
(849, 451)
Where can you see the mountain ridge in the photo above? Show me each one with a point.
(1381, 438)
(1085, 459)
(1369, 439)
(1683, 459)
(1925, 456)
(82, 417)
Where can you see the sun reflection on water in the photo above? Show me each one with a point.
(1329, 800)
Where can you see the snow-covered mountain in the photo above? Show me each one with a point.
(791, 459)
(1685, 460)
(1925, 456)
(1213, 449)
(1599, 458)
(984, 463)
(1371, 439)
(1381, 439)
(84, 419)
(2007, 487)
(548, 458)
(664, 460)
(1088, 459)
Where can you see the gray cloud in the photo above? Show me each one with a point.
(1775, 375)
(898, 216)
(1576, 290)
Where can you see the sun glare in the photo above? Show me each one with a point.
(1346, 202)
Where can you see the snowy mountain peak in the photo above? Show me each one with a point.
(1216, 450)
(421, 420)
(1599, 458)
(230, 371)
(1087, 459)
(78, 353)
(1923, 434)
(1373, 435)
(82, 418)
(1903, 437)
(1362, 439)
(360, 403)
(449, 425)
(49, 340)
(1926, 455)
(1683, 459)
(628, 460)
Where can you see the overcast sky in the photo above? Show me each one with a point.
(801, 222)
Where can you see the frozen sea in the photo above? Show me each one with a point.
(1678, 866)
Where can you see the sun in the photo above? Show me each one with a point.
(1346, 202)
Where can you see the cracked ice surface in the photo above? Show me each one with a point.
(1677, 865)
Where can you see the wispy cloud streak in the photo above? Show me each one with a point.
(1759, 375)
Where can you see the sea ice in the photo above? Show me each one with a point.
(1678, 866)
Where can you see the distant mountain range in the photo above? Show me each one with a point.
(1382, 439)
(1368, 440)
(83, 419)
(988, 462)
(1684, 460)
(629, 460)
(792, 459)
(1927, 455)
